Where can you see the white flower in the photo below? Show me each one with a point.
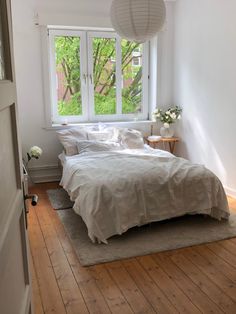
(168, 112)
(156, 111)
(173, 116)
(166, 125)
(35, 152)
(158, 115)
(179, 117)
(153, 117)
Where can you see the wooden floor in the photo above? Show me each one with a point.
(201, 279)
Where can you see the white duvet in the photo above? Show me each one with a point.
(114, 191)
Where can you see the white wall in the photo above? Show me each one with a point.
(29, 76)
(205, 84)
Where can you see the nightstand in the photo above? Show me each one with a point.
(171, 141)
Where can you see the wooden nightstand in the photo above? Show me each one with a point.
(171, 141)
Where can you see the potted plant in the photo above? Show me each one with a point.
(168, 117)
(34, 152)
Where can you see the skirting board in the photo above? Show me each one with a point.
(48, 173)
(230, 192)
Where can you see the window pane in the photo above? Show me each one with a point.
(104, 75)
(131, 76)
(69, 99)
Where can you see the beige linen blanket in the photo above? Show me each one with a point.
(114, 191)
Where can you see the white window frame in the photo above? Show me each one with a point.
(106, 117)
(136, 54)
(87, 89)
(138, 63)
(56, 118)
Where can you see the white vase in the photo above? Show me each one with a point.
(167, 132)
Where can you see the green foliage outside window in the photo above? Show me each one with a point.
(104, 76)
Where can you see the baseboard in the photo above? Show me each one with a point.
(230, 192)
(44, 179)
(47, 173)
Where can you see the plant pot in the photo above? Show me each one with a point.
(167, 132)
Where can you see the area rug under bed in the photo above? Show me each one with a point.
(59, 199)
(156, 237)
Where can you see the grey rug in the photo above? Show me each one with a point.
(156, 237)
(59, 199)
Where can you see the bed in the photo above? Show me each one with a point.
(118, 188)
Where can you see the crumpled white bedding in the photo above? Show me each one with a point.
(114, 191)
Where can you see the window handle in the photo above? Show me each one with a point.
(85, 78)
(91, 78)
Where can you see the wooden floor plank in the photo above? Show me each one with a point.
(50, 293)
(207, 268)
(232, 203)
(220, 251)
(199, 298)
(92, 295)
(151, 291)
(168, 286)
(130, 290)
(233, 240)
(224, 302)
(70, 291)
(229, 245)
(115, 299)
(217, 262)
(165, 283)
(36, 297)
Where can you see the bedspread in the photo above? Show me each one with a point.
(114, 191)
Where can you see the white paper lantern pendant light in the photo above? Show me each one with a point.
(138, 20)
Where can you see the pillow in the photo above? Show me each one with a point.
(104, 134)
(69, 138)
(131, 139)
(99, 135)
(97, 146)
(96, 127)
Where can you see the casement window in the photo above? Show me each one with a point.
(97, 76)
(137, 56)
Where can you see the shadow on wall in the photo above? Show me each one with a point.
(197, 147)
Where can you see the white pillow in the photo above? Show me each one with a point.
(96, 127)
(131, 138)
(69, 138)
(99, 135)
(105, 134)
(97, 146)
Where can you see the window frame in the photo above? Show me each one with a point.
(86, 70)
(90, 36)
(138, 61)
(56, 118)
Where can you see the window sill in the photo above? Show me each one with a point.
(115, 123)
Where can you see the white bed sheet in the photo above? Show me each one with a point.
(114, 191)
